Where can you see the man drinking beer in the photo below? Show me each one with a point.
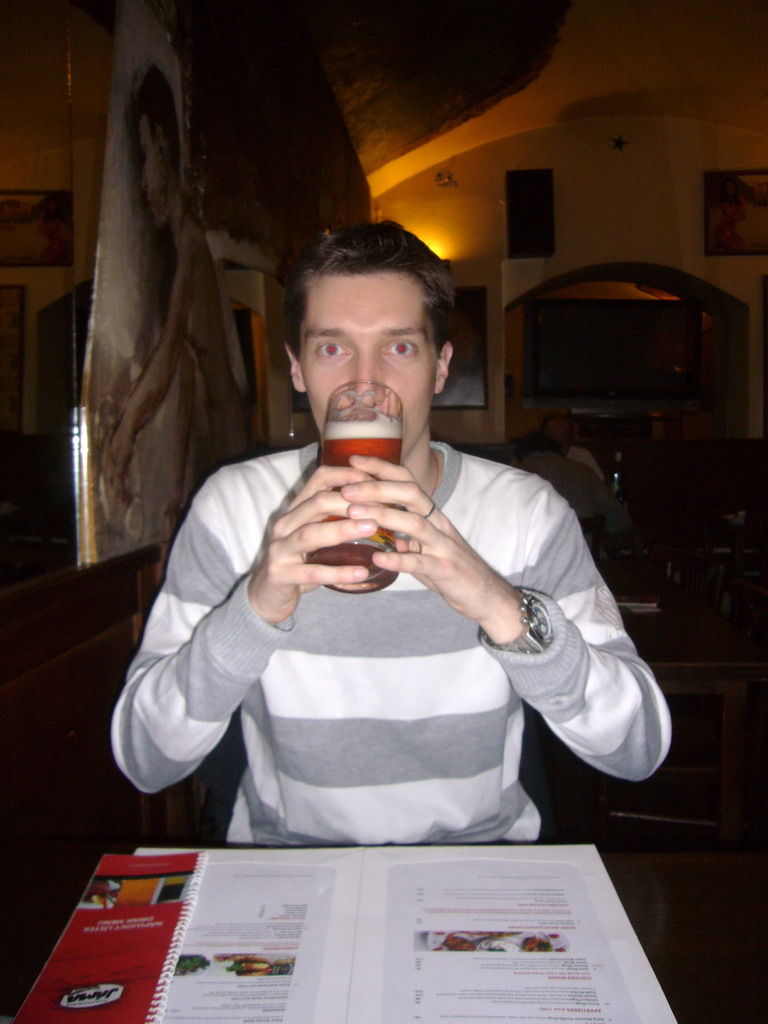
(394, 716)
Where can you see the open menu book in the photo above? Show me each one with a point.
(411, 935)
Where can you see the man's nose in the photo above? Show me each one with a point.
(367, 367)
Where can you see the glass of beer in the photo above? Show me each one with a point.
(363, 418)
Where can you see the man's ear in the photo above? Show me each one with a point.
(296, 375)
(443, 360)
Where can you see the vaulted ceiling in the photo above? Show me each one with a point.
(404, 71)
(418, 81)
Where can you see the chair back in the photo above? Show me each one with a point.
(755, 552)
(700, 573)
(592, 527)
(749, 608)
(219, 774)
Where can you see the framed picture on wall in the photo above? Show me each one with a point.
(736, 213)
(35, 228)
(11, 355)
(467, 384)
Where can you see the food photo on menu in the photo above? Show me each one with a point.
(242, 965)
(523, 941)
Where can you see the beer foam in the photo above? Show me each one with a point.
(378, 425)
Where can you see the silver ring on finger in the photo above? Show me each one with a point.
(428, 514)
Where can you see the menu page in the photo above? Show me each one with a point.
(254, 948)
(515, 941)
(500, 933)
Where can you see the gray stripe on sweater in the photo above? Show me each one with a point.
(370, 752)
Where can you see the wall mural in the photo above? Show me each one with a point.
(164, 393)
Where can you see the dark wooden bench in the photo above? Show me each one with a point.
(66, 639)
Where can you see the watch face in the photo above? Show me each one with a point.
(540, 625)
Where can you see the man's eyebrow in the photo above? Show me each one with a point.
(338, 332)
(416, 331)
(324, 332)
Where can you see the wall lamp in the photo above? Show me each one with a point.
(445, 179)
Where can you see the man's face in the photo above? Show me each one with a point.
(154, 170)
(560, 429)
(371, 327)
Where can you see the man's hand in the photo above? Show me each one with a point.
(435, 552)
(282, 576)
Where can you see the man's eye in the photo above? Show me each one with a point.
(402, 348)
(330, 349)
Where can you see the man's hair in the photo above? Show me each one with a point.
(556, 417)
(534, 443)
(370, 249)
(154, 98)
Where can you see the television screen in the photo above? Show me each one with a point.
(604, 354)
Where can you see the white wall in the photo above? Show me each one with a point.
(640, 204)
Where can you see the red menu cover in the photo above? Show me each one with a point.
(117, 954)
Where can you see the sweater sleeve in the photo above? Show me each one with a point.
(594, 691)
(203, 647)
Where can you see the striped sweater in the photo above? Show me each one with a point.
(381, 717)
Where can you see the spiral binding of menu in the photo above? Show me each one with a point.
(189, 899)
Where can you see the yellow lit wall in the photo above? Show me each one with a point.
(642, 204)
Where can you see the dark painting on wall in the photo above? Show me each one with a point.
(164, 384)
(467, 384)
(735, 213)
(35, 228)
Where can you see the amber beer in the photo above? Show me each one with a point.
(364, 418)
(337, 450)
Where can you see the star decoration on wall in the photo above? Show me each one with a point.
(619, 143)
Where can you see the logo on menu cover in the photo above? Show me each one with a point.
(92, 995)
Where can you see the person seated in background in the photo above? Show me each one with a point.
(559, 426)
(540, 454)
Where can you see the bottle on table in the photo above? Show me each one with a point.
(617, 478)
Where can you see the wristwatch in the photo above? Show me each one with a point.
(537, 635)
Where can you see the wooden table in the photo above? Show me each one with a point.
(699, 917)
(694, 650)
(685, 639)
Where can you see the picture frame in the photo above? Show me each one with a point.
(736, 213)
(467, 384)
(35, 228)
(11, 356)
